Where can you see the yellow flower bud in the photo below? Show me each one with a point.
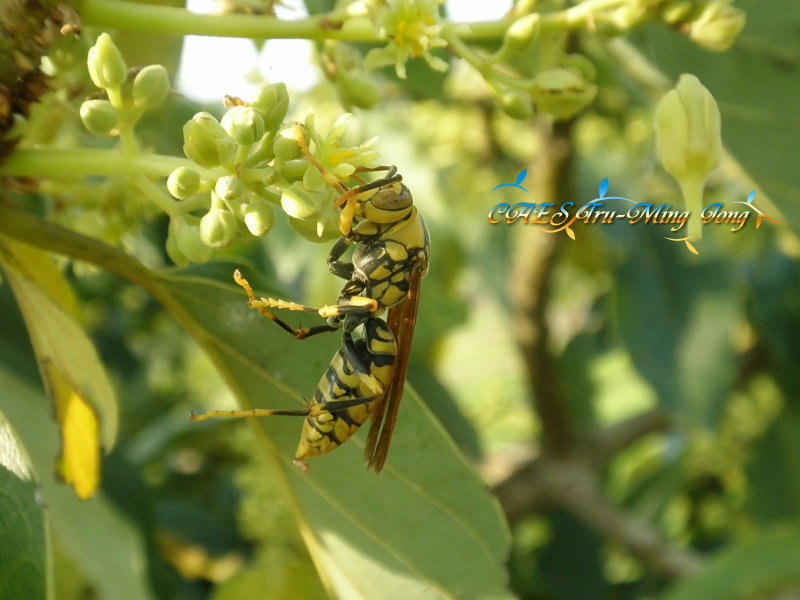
(99, 116)
(106, 66)
(718, 26)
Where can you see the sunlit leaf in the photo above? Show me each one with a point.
(425, 527)
(84, 400)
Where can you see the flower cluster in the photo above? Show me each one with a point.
(240, 167)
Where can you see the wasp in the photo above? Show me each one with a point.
(391, 246)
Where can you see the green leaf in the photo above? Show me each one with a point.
(426, 527)
(99, 540)
(759, 568)
(677, 320)
(22, 551)
(774, 470)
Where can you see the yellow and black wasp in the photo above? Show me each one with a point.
(367, 375)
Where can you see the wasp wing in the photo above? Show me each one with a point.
(401, 320)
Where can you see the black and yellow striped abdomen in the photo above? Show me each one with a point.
(359, 373)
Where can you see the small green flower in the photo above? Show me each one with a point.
(106, 66)
(341, 161)
(414, 30)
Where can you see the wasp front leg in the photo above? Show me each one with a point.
(263, 305)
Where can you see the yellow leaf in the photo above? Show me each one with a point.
(85, 403)
(79, 463)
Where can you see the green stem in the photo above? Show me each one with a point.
(168, 20)
(692, 189)
(70, 164)
(27, 228)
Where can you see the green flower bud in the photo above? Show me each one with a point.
(286, 147)
(515, 103)
(183, 182)
(99, 116)
(688, 129)
(230, 189)
(297, 203)
(562, 93)
(320, 229)
(187, 240)
(175, 254)
(218, 228)
(688, 140)
(150, 86)
(629, 16)
(261, 151)
(357, 88)
(718, 26)
(272, 104)
(676, 11)
(206, 142)
(295, 170)
(106, 66)
(243, 124)
(581, 65)
(522, 33)
(258, 216)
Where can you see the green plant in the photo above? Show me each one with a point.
(659, 384)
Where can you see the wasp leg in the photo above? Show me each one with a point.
(337, 267)
(262, 305)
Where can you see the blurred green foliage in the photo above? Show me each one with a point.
(636, 322)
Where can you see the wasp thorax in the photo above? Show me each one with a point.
(389, 204)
